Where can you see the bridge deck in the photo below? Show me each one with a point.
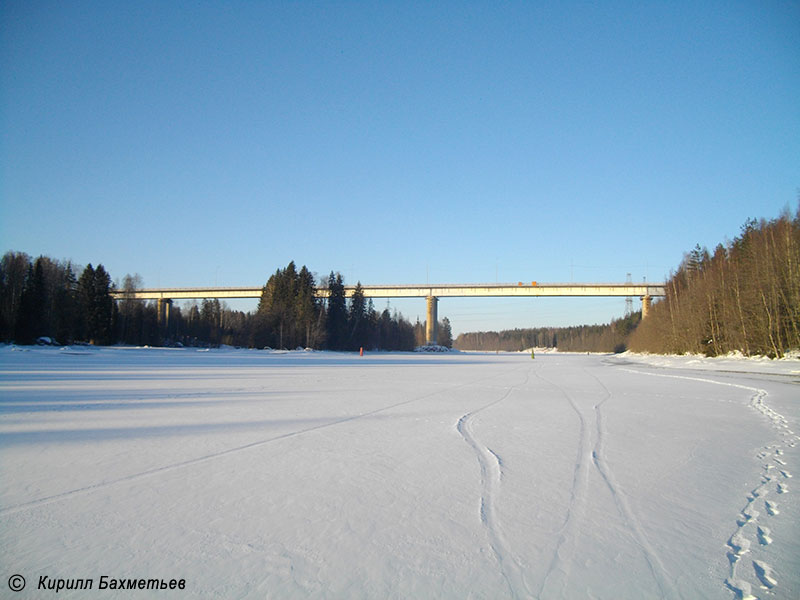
(419, 291)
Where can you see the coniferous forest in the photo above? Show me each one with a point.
(742, 297)
(45, 299)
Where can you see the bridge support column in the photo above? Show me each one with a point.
(164, 305)
(645, 306)
(431, 324)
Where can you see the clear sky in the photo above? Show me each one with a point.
(210, 143)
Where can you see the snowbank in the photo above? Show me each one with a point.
(734, 362)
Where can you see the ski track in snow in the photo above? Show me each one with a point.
(557, 574)
(750, 531)
(558, 571)
(662, 578)
(8, 510)
(491, 466)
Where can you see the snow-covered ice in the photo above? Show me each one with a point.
(253, 474)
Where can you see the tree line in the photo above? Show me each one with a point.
(580, 338)
(43, 298)
(290, 315)
(743, 297)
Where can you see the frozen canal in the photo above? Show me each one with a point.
(312, 475)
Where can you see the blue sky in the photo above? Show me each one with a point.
(203, 143)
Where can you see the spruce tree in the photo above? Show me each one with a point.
(30, 318)
(65, 307)
(85, 296)
(336, 322)
(103, 306)
(357, 320)
(306, 307)
(96, 305)
(288, 311)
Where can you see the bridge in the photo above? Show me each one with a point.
(432, 292)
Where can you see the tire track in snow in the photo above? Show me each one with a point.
(9, 510)
(750, 532)
(491, 477)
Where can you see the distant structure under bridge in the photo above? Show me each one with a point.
(432, 292)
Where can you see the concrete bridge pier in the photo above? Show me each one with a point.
(432, 322)
(164, 305)
(646, 301)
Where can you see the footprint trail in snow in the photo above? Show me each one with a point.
(753, 526)
(752, 530)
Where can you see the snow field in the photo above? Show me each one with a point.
(323, 475)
